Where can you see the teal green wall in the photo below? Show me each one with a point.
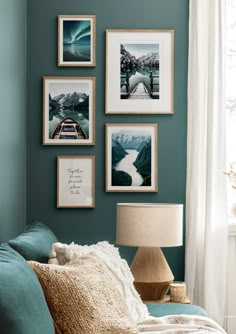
(92, 225)
(13, 117)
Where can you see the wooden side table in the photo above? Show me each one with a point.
(166, 299)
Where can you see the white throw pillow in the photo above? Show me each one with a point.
(118, 268)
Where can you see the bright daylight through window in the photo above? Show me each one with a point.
(231, 93)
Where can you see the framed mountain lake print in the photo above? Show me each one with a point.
(139, 71)
(68, 110)
(131, 157)
(75, 181)
(76, 40)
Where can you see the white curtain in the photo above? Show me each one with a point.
(206, 215)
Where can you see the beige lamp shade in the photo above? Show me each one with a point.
(149, 224)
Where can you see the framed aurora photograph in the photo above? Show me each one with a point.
(68, 111)
(131, 157)
(76, 40)
(139, 71)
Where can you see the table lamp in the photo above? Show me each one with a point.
(150, 226)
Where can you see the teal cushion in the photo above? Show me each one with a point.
(23, 309)
(35, 243)
(159, 310)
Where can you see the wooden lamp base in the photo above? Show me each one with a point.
(152, 291)
(152, 274)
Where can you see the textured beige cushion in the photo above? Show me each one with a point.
(83, 298)
(118, 268)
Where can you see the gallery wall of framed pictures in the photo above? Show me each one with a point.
(139, 80)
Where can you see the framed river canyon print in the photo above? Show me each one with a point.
(75, 181)
(68, 110)
(131, 157)
(76, 40)
(139, 71)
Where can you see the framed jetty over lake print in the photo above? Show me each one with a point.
(131, 157)
(75, 181)
(68, 110)
(76, 40)
(139, 71)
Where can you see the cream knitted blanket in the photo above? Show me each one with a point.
(180, 324)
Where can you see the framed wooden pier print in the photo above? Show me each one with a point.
(76, 40)
(68, 110)
(139, 71)
(131, 157)
(75, 181)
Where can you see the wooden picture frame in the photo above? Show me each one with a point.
(75, 181)
(76, 40)
(69, 111)
(131, 157)
(139, 71)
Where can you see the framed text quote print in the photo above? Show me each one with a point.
(75, 181)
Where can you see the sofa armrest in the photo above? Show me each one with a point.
(159, 310)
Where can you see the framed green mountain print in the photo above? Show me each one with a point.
(131, 157)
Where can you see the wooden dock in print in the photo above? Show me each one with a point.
(140, 90)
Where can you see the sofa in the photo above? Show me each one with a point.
(23, 307)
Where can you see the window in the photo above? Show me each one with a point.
(231, 87)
